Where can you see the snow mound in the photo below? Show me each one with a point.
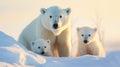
(111, 60)
(13, 54)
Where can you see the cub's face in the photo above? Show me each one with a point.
(55, 19)
(40, 46)
(86, 34)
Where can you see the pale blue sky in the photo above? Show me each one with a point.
(16, 14)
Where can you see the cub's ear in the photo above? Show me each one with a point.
(95, 29)
(48, 41)
(78, 29)
(68, 10)
(43, 10)
(32, 43)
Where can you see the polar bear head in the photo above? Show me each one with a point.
(55, 19)
(86, 34)
(40, 46)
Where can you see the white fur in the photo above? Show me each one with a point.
(42, 28)
(93, 46)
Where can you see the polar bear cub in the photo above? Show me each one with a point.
(42, 47)
(89, 43)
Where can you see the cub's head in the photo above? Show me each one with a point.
(55, 19)
(40, 46)
(86, 34)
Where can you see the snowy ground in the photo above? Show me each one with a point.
(13, 54)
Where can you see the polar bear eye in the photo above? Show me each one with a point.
(89, 35)
(44, 46)
(60, 16)
(82, 35)
(50, 16)
(38, 47)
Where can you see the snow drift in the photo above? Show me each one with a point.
(13, 54)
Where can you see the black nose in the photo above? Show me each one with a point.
(55, 26)
(85, 41)
(43, 52)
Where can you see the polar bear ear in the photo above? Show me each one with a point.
(68, 10)
(78, 28)
(32, 43)
(43, 10)
(95, 29)
(48, 41)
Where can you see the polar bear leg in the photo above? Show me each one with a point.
(23, 42)
(94, 49)
(64, 43)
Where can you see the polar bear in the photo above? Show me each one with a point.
(89, 43)
(42, 47)
(53, 23)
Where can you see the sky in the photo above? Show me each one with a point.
(16, 14)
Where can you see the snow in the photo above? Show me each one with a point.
(13, 54)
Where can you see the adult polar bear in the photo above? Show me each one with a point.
(54, 24)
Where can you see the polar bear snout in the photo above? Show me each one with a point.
(85, 41)
(42, 52)
(55, 25)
